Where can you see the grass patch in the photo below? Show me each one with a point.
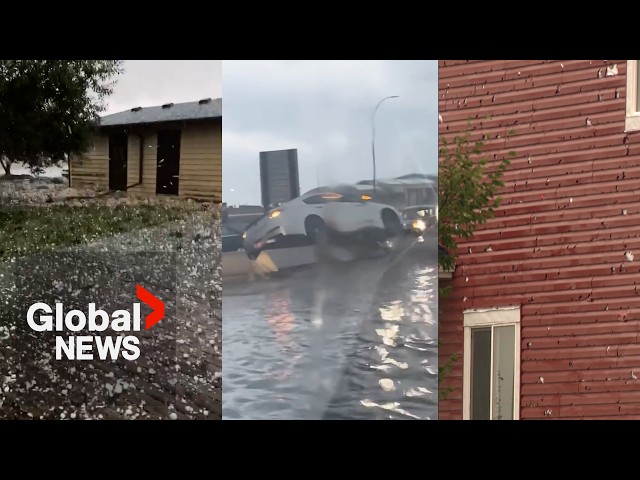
(25, 230)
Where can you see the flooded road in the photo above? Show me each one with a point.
(354, 340)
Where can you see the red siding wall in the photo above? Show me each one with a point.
(571, 209)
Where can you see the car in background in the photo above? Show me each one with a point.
(232, 239)
(419, 219)
(341, 215)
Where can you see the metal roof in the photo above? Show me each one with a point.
(198, 110)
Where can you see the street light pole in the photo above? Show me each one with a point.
(373, 138)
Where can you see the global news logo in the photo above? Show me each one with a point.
(42, 318)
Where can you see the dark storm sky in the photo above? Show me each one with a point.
(146, 83)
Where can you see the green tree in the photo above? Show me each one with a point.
(467, 192)
(467, 197)
(50, 108)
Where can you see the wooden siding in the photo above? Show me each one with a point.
(557, 246)
(133, 160)
(200, 162)
(92, 168)
(150, 161)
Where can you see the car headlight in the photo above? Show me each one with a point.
(419, 225)
(275, 214)
(244, 235)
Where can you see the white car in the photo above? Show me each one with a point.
(341, 213)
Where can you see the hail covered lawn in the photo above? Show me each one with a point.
(27, 229)
(180, 375)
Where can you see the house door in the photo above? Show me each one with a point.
(168, 169)
(118, 155)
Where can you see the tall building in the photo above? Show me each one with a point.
(279, 177)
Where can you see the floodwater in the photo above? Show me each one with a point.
(353, 340)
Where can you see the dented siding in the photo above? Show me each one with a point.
(564, 245)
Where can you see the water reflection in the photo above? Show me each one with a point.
(407, 323)
(282, 322)
(279, 317)
(356, 340)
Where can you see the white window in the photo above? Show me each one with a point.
(632, 120)
(491, 389)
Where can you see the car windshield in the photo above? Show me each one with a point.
(339, 193)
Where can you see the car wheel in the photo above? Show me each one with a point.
(315, 229)
(392, 224)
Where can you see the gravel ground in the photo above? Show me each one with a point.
(26, 190)
(179, 372)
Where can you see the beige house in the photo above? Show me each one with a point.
(172, 149)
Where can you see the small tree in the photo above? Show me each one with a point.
(50, 108)
(467, 197)
(467, 193)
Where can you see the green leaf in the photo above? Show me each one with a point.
(468, 188)
(51, 107)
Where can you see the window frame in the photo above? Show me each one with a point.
(493, 317)
(310, 197)
(346, 198)
(632, 116)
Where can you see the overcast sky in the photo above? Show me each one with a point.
(146, 83)
(324, 109)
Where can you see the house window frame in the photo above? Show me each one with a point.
(632, 117)
(492, 317)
